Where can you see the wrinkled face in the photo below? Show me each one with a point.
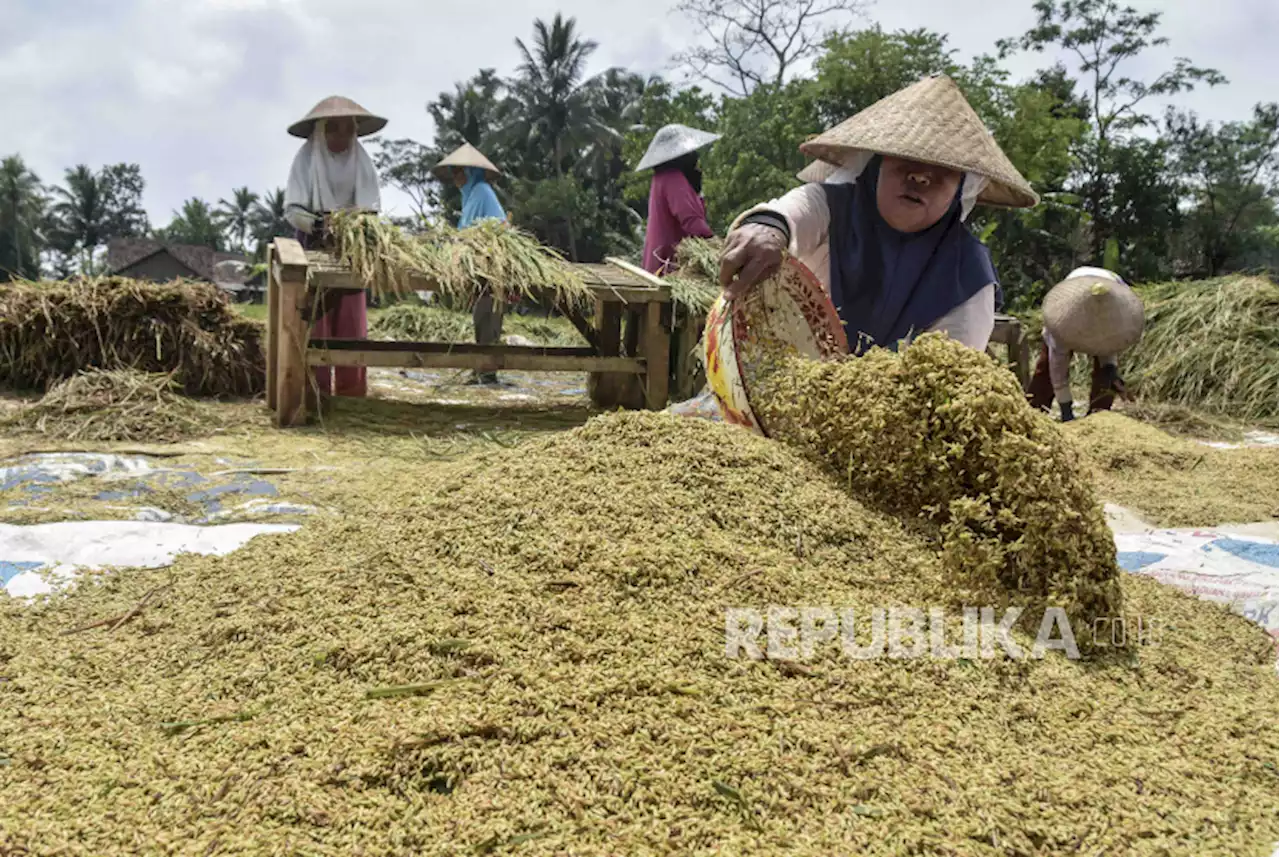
(459, 177)
(338, 134)
(912, 196)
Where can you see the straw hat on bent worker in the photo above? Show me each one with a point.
(465, 155)
(674, 141)
(337, 107)
(1093, 314)
(929, 122)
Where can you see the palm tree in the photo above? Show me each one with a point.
(236, 217)
(557, 114)
(267, 222)
(21, 211)
(196, 224)
(80, 215)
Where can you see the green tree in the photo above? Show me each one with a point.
(92, 208)
(196, 224)
(236, 217)
(758, 155)
(1107, 38)
(268, 222)
(556, 117)
(1228, 178)
(860, 68)
(22, 205)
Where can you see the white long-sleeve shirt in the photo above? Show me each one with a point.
(809, 220)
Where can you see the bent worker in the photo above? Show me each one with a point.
(1093, 311)
(676, 208)
(332, 171)
(471, 172)
(885, 233)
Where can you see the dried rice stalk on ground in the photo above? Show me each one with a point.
(1175, 482)
(121, 405)
(52, 330)
(554, 621)
(940, 432)
(1210, 344)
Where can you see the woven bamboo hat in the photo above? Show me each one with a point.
(337, 107)
(817, 172)
(465, 155)
(1092, 311)
(929, 122)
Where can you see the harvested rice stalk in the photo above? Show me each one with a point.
(49, 331)
(121, 405)
(497, 256)
(939, 432)
(381, 257)
(695, 279)
(1210, 345)
(575, 725)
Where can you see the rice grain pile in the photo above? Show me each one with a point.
(1211, 345)
(940, 433)
(50, 331)
(1172, 481)
(119, 405)
(525, 654)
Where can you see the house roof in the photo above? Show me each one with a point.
(125, 253)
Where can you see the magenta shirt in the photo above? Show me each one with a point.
(675, 212)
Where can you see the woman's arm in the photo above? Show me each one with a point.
(685, 206)
(804, 212)
(972, 321)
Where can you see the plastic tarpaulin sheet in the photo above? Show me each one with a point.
(35, 560)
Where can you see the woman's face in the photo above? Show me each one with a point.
(459, 177)
(912, 196)
(338, 134)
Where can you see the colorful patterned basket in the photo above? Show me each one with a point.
(789, 313)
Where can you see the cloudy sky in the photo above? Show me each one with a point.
(199, 92)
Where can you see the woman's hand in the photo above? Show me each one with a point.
(752, 252)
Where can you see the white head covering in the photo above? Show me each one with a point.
(853, 166)
(322, 181)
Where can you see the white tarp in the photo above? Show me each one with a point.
(31, 554)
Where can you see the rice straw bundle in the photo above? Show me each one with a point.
(52, 330)
(116, 405)
(501, 258)
(381, 257)
(695, 279)
(1210, 345)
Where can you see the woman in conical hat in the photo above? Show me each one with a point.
(885, 233)
(676, 208)
(333, 171)
(1093, 311)
(470, 171)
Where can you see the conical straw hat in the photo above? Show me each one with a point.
(1093, 314)
(337, 107)
(817, 172)
(930, 122)
(674, 141)
(465, 155)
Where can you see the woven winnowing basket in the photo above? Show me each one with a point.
(930, 122)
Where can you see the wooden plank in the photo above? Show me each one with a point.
(656, 350)
(338, 278)
(291, 355)
(290, 255)
(639, 273)
(273, 331)
(689, 376)
(606, 390)
(580, 323)
(630, 294)
(493, 359)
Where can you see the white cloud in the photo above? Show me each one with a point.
(199, 92)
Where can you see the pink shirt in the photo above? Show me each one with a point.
(675, 212)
